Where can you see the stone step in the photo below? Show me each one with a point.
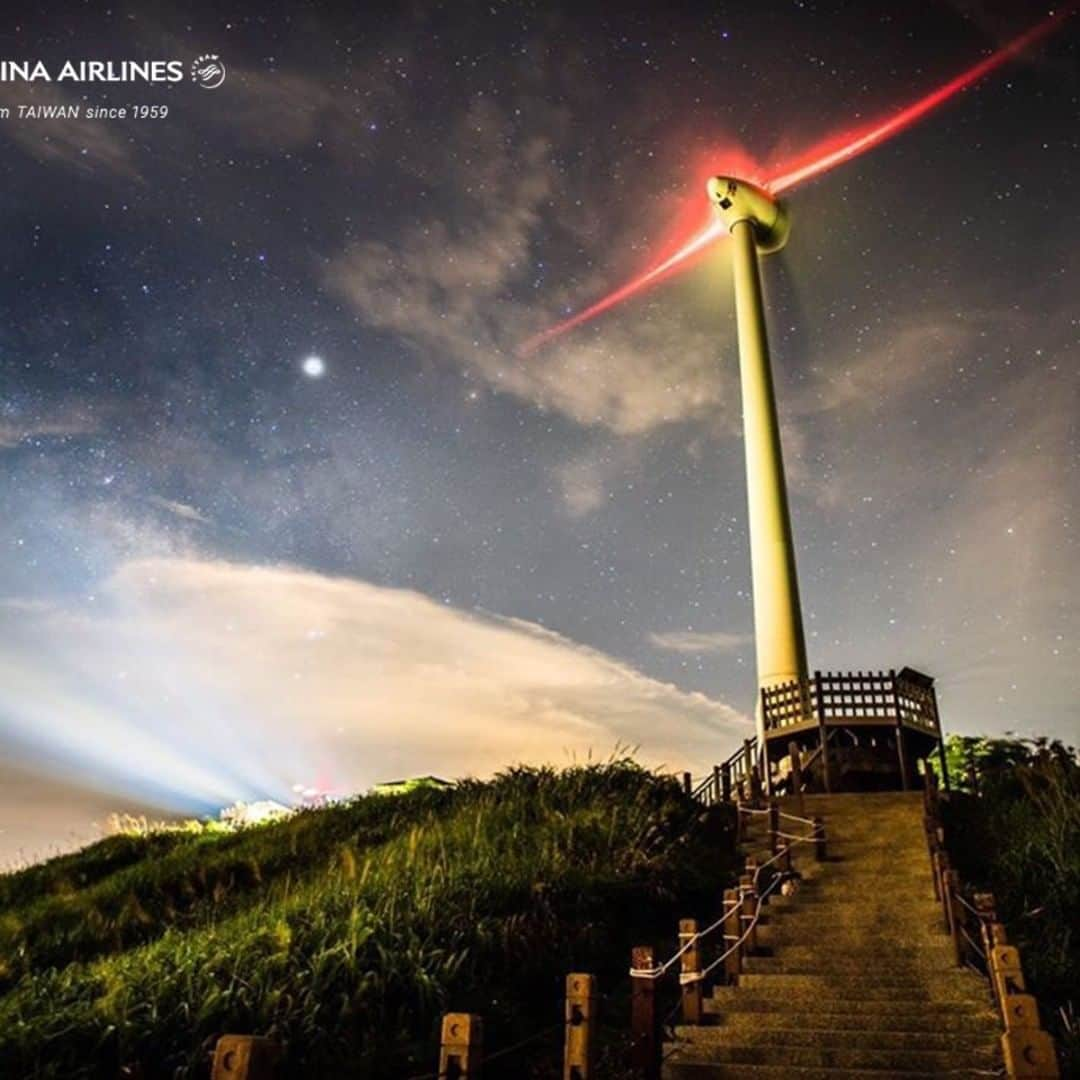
(709, 1071)
(973, 1040)
(734, 1000)
(798, 960)
(886, 936)
(928, 1062)
(774, 1015)
(799, 985)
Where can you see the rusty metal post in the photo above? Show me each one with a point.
(461, 1053)
(732, 933)
(774, 828)
(820, 839)
(646, 1046)
(245, 1057)
(725, 781)
(692, 990)
(578, 1055)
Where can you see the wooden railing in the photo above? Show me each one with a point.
(736, 780)
(979, 941)
(836, 699)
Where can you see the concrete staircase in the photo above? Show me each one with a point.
(855, 976)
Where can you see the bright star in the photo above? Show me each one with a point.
(314, 367)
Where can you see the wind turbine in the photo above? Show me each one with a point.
(757, 223)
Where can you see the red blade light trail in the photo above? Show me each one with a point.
(712, 230)
(835, 151)
(819, 159)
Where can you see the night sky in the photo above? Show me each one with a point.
(282, 503)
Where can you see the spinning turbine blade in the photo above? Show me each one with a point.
(698, 243)
(819, 159)
(835, 151)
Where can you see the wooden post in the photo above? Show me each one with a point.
(580, 1016)
(939, 864)
(748, 906)
(823, 734)
(1006, 974)
(646, 1047)
(725, 781)
(716, 785)
(461, 1055)
(245, 1057)
(819, 842)
(796, 775)
(687, 783)
(732, 932)
(950, 886)
(901, 749)
(748, 767)
(1028, 1050)
(985, 906)
(692, 992)
(774, 828)
(1029, 1055)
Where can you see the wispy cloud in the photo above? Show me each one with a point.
(84, 145)
(447, 284)
(692, 641)
(178, 509)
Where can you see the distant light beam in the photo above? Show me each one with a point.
(822, 157)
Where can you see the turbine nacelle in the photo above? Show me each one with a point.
(739, 200)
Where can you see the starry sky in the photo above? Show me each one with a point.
(282, 502)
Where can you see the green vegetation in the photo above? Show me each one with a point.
(1014, 828)
(346, 931)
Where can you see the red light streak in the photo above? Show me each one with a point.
(840, 148)
(819, 159)
(697, 244)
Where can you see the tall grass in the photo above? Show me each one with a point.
(1014, 828)
(345, 932)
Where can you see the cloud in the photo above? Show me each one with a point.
(85, 145)
(190, 683)
(62, 422)
(690, 641)
(448, 286)
(178, 509)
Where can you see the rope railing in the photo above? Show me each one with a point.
(687, 978)
(657, 971)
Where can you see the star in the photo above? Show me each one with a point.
(314, 367)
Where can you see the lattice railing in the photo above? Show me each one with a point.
(836, 698)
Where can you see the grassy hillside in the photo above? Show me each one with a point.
(1014, 829)
(345, 932)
